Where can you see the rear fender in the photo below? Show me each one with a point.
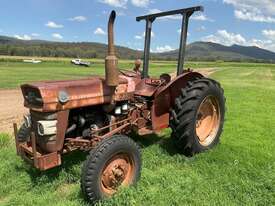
(165, 98)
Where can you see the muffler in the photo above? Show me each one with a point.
(111, 61)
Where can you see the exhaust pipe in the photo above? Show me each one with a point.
(111, 61)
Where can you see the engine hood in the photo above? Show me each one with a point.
(50, 96)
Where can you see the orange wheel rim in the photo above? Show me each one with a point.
(118, 171)
(208, 120)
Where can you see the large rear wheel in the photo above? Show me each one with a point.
(198, 116)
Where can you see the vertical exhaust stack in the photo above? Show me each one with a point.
(111, 61)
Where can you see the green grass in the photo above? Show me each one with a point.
(240, 171)
(14, 73)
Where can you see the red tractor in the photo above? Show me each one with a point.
(96, 114)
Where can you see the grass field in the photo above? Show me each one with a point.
(240, 171)
(13, 72)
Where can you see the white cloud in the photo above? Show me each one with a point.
(35, 35)
(264, 44)
(260, 43)
(201, 17)
(179, 31)
(201, 28)
(140, 3)
(270, 34)
(115, 3)
(162, 49)
(254, 10)
(54, 25)
(268, 43)
(225, 38)
(138, 37)
(270, 47)
(253, 16)
(99, 31)
(196, 17)
(24, 37)
(152, 34)
(154, 11)
(174, 17)
(57, 36)
(267, 5)
(143, 35)
(228, 39)
(120, 13)
(123, 3)
(78, 18)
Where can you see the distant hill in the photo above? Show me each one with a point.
(206, 51)
(15, 47)
(197, 51)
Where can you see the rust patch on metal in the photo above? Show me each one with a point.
(147, 87)
(29, 152)
(118, 171)
(111, 61)
(48, 161)
(81, 93)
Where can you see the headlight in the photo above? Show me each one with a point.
(46, 127)
(40, 128)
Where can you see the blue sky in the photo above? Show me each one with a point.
(244, 22)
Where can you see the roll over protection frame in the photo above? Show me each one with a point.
(186, 14)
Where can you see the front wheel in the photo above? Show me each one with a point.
(115, 162)
(198, 116)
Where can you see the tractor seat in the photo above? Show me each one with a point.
(165, 77)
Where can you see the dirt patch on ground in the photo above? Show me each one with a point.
(11, 109)
(205, 72)
(269, 74)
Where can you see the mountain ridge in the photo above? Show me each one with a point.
(214, 51)
(198, 51)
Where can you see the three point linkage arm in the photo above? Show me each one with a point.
(186, 14)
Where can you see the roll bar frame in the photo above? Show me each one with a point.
(186, 14)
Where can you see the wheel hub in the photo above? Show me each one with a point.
(118, 171)
(208, 120)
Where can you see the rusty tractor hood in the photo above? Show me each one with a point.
(48, 96)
